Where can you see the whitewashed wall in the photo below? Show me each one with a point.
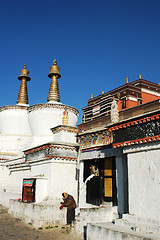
(15, 122)
(144, 180)
(42, 119)
(63, 179)
(64, 136)
(11, 185)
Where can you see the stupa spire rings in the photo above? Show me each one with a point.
(23, 93)
(54, 74)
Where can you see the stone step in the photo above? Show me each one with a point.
(99, 231)
(136, 226)
(136, 219)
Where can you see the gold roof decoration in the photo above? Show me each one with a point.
(54, 70)
(24, 74)
(126, 79)
(54, 74)
(140, 76)
(23, 93)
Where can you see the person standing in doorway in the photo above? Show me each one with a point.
(70, 203)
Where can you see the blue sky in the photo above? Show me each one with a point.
(96, 44)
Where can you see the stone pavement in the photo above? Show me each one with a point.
(15, 229)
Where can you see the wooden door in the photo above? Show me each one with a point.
(110, 189)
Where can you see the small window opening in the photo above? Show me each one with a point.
(123, 103)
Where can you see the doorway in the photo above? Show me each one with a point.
(28, 192)
(102, 187)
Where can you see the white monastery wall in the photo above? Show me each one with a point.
(14, 122)
(64, 137)
(41, 189)
(14, 144)
(144, 182)
(40, 215)
(42, 119)
(73, 118)
(42, 171)
(63, 179)
(39, 140)
(11, 184)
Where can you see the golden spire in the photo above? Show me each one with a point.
(23, 93)
(102, 92)
(91, 95)
(126, 79)
(54, 74)
(140, 77)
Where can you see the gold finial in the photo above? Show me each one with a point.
(126, 79)
(54, 74)
(102, 92)
(55, 62)
(140, 77)
(23, 93)
(65, 117)
(54, 70)
(91, 95)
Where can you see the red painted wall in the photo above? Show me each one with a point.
(147, 97)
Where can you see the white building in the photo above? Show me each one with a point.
(38, 154)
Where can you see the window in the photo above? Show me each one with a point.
(123, 103)
(139, 101)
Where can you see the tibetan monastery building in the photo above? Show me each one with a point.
(120, 163)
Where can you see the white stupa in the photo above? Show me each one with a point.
(23, 126)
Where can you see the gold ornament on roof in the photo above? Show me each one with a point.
(140, 77)
(65, 117)
(126, 79)
(23, 93)
(54, 74)
(91, 95)
(118, 95)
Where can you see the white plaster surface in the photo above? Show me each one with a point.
(14, 144)
(43, 119)
(64, 136)
(15, 122)
(11, 185)
(144, 183)
(63, 179)
(40, 215)
(102, 231)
